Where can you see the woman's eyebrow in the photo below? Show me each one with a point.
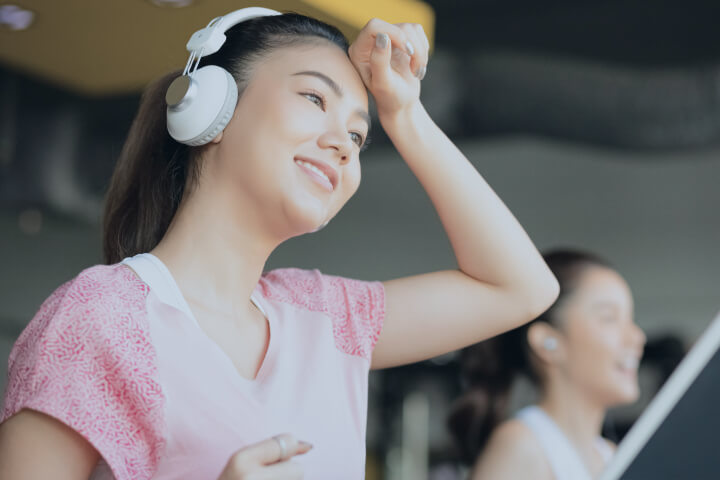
(604, 305)
(335, 88)
(330, 82)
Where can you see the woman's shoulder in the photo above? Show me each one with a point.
(100, 283)
(612, 446)
(102, 302)
(356, 307)
(309, 278)
(512, 449)
(317, 291)
(607, 448)
(112, 284)
(96, 291)
(514, 434)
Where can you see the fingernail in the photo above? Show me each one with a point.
(381, 40)
(305, 445)
(409, 48)
(421, 72)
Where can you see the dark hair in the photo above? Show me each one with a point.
(489, 368)
(153, 169)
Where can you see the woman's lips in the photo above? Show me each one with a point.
(322, 174)
(628, 366)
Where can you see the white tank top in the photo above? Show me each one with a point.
(564, 459)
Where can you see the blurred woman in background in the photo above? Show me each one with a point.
(582, 354)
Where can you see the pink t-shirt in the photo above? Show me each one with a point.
(122, 361)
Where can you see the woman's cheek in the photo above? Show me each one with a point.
(349, 186)
(355, 180)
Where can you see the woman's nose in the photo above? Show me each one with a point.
(338, 140)
(637, 336)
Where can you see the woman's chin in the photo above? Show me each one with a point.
(301, 225)
(624, 396)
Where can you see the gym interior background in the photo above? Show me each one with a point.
(597, 122)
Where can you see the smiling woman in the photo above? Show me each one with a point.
(181, 358)
(582, 354)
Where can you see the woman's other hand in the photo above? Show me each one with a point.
(267, 460)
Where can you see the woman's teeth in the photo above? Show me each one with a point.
(629, 363)
(312, 167)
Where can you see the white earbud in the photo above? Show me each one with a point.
(201, 102)
(550, 343)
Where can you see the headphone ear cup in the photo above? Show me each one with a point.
(206, 108)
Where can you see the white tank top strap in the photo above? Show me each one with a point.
(564, 460)
(606, 451)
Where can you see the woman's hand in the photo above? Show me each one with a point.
(391, 60)
(267, 460)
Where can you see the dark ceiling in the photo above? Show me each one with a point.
(636, 32)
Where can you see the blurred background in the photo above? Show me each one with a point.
(597, 122)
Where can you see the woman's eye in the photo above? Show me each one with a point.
(357, 138)
(607, 317)
(316, 99)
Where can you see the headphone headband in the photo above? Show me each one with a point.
(209, 40)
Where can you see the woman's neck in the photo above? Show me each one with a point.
(577, 415)
(215, 257)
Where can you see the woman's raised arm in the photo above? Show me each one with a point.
(502, 280)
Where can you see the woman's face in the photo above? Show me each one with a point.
(602, 343)
(290, 154)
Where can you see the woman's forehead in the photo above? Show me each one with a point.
(603, 290)
(322, 57)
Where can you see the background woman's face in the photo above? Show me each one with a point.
(291, 151)
(603, 344)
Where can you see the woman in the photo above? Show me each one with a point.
(582, 354)
(185, 360)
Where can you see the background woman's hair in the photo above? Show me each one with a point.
(154, 170)
(489, 368)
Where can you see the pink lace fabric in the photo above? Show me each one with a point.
(357, 308)
(86, 360)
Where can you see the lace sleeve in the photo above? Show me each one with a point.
(356, 307)
(86, 360)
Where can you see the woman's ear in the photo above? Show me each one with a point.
(218, 138)
(546, 342)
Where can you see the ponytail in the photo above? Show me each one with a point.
(148, 182)
(488, 371)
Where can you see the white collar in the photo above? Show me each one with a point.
(157, 276)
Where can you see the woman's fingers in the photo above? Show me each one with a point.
(400, 62)
(380, 60)
(281, 471)
(279, 448)
(407, 39)
(397, 36)
(416, 37)
(257, 457)
(390, 59)
(407, 42)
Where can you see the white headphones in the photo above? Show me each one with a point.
(201, 102)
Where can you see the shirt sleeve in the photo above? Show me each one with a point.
(86, 360)
(356, 307)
